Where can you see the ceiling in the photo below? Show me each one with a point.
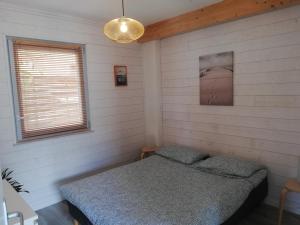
(147, 11)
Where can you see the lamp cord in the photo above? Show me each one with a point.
(123, 8)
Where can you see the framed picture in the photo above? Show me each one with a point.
(120, 73)
(216, 79)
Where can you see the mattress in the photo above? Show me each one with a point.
(162, 192)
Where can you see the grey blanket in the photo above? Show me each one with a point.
(157, 191)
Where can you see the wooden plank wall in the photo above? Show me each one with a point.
(117, 114)
(264, 123)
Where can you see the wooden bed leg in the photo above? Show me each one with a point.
(76, 222)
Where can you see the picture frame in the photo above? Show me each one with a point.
(216, 79)
(120, 75)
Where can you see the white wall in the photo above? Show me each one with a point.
(117, 116)
(264, 123)
(152, 98)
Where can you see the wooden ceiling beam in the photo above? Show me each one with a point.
(227, 10)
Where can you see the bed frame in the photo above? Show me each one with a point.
(255, 198)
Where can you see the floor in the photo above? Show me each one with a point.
(264, 215)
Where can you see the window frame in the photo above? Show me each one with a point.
(16, 94)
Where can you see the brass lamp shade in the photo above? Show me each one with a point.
(124, 30)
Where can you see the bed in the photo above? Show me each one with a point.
(161, 191)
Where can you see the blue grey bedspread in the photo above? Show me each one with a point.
(157, 191)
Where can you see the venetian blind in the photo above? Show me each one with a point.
(50, 87)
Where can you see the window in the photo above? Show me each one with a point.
(49, 88)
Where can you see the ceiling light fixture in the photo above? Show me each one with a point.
(124, 29)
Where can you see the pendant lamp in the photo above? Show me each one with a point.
(124, 29)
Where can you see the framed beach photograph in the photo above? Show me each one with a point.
(216, 79)
(120, 74)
